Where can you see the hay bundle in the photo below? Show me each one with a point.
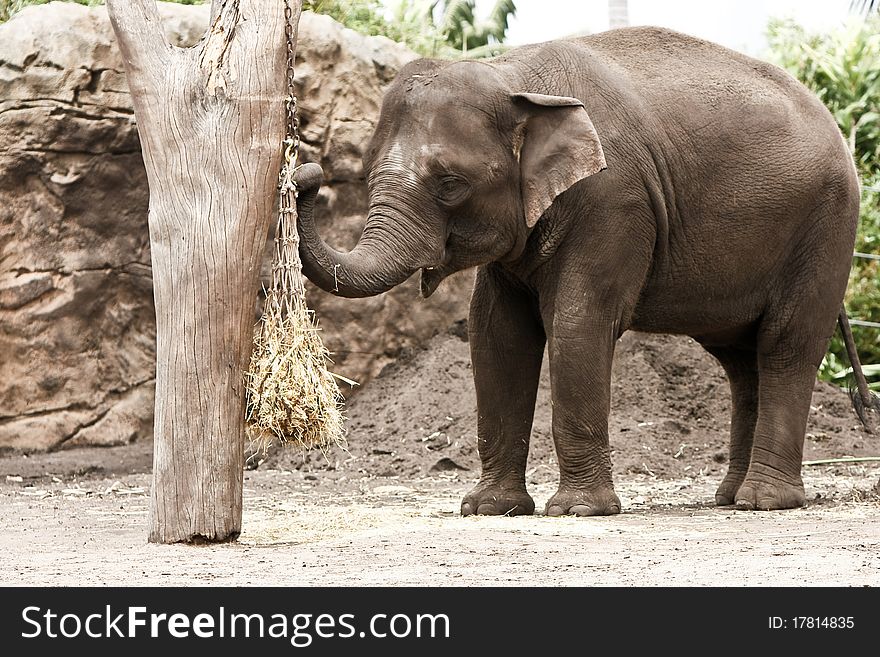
(292, 397)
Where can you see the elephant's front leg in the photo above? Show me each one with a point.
(507, 346)
(581, 351)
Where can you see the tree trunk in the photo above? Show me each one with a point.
(211, 123)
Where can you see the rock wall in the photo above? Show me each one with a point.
(77, 338)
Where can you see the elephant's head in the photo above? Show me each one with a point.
(460, 168)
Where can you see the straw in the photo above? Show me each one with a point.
(293, 398)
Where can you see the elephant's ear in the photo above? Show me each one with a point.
(557, 148)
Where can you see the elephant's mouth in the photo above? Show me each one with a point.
(431, 278)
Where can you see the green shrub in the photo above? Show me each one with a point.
(433, 28)
(364, 16)
(843, 69)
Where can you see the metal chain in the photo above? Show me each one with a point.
(291, 140)
(287, 282)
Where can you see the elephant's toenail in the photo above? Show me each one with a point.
(555, 511)
(582, 510)
(745, 505)
(466, 509)
(487, 510)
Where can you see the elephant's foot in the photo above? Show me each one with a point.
(600, 501)
(766, 494)
(495, 500)
(726, 493)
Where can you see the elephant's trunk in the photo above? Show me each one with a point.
(375, 265)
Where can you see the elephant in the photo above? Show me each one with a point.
(635, 179)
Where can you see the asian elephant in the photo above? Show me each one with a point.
(634, 179)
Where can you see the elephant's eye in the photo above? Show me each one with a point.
(452, 190)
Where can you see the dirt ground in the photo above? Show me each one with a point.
(299, 530)
(385, 512)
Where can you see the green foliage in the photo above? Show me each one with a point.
(843, 69)
(364, 16)
(450, 28)
(464, 31)
(410, 21)
(433, 28)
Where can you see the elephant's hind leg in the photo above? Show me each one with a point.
(741, 367)
(798, 320)
(507, 347)
(787, 363)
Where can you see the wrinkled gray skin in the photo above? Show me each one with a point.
(727, 212)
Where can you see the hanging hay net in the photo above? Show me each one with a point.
(293, 398)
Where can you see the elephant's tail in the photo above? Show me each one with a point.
(865, 402)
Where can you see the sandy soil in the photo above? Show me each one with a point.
(301, 530)
(385, 512)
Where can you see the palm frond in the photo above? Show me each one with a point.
(456, 15)
(499, 19)
(864, 6)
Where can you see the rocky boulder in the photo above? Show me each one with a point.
(77, 338)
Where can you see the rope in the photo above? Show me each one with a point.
(862, 322)
(292, 397)
(287, 280)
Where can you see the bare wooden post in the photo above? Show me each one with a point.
(211, 123)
